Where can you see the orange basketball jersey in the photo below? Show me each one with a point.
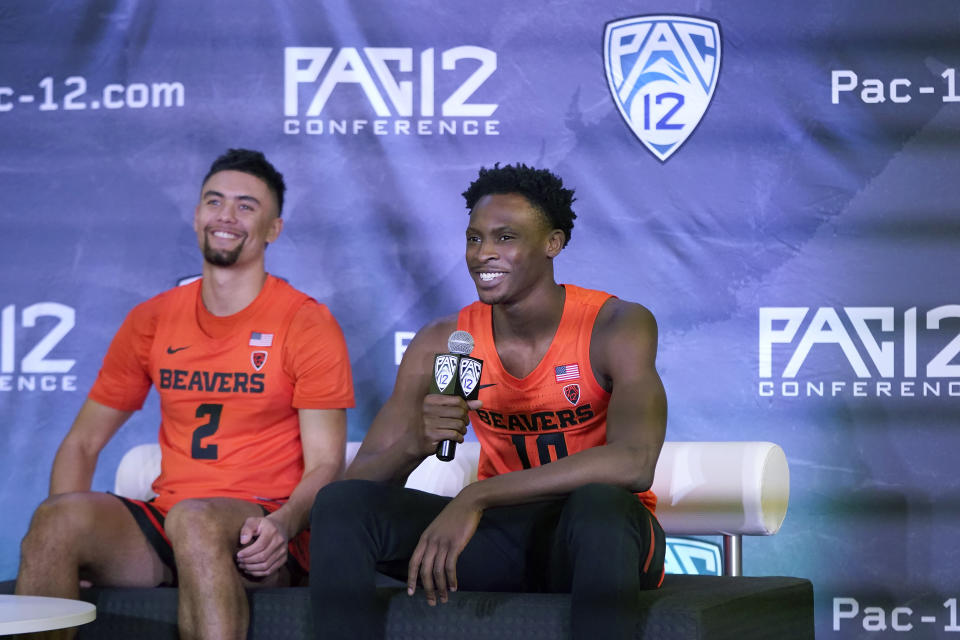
(556, 410)
(229, 388)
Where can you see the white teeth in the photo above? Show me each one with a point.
(487, 277)
(224, 234)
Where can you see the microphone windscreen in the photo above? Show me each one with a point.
(460, 342)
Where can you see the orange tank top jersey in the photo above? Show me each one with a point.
(230, 388)
(556, 410)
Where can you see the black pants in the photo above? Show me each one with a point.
(599, 543)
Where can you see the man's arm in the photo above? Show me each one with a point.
(323, 434)
(76, 458)
(411, 423)
(623, 354)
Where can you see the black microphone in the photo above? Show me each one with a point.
(456, 373)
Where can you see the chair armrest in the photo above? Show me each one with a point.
(722, 488)
(137, 470)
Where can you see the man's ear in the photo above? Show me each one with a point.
(555, 242)
(275, 228)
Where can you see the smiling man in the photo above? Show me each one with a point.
(571, 417)
(254, 381)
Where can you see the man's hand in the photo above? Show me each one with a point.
(445, 418)
(435, 558)
(263, 547)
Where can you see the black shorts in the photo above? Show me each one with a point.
(151, 523)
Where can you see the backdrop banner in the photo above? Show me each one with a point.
(771, 179)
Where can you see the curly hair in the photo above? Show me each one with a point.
(255, 164)
(543, 189)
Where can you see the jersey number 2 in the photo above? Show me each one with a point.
(544, 442)
(201, 451)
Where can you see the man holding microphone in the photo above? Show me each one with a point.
(571, 417)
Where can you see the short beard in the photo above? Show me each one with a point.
(221, 258)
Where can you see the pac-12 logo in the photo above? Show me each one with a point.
(36, 370)
(470, 370)
(444, 370)
(407, 92)
(662, 71)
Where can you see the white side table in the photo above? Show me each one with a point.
(25, 614)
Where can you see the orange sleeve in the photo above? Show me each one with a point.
(316, 358)
(124, 378)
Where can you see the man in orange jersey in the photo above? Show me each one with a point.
(568, 379)
(254, 381)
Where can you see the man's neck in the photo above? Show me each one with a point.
(532, 319)
(227, 290)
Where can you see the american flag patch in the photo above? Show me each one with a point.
(567, 372)
(258, 339)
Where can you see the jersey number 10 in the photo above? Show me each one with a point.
(545, 441)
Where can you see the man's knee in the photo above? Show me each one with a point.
(343, 501)
(66, 527)
(600, 509)
(67, 516)
(600, 498)
(197, 524)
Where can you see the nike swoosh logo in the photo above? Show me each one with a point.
(172, 351)
(484, 386)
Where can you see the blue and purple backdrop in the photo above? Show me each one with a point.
(777, 182)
